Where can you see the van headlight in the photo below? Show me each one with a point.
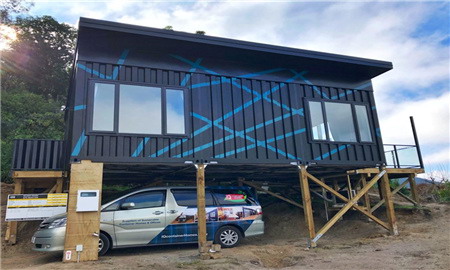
(58, 223)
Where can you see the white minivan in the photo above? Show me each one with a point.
(166, 215)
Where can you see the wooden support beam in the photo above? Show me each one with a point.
(351, 203)
(364, 171)
(389, 203)
(395, 191)
(363, 183)
(407, 198)
(83, 228)
(59, 185)
(201, 209)
(338, 195)
(413, 187)
(404, 171)
(270, 193)
(11, 229)
(307, 206)
(38, 174)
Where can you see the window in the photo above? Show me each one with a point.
(146, 199)
(140, 109)
(340, 122)
(317, 123)
(232, 197)
(137, 109)
(103, 108)
(188, 197)
(335, 122)
(363, 123)
(175, 111)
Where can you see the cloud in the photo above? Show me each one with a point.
(431, 117)
(440, 157)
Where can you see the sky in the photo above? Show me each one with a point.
(413, 35)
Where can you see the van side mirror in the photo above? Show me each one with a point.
(127, 205)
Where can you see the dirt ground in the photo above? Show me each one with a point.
(353, 243)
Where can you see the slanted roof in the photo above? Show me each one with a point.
(365, 68)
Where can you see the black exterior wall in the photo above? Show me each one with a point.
(246, 102)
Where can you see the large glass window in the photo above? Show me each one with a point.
(103, 108)
(317, 123)
(335, 121)
(140, 109)
(340, 122)
(363, 123)
(175, 111)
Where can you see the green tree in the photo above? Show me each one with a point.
(27, 115)
(41, 57)
(9, 7)
(35, 77)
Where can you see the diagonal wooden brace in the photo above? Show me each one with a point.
(350, 203)
(271, 193)
(395, 191)
(337, 194)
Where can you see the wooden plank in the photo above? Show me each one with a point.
(405, 171)
(407, 198)
(59, 185)
(347, 207)
(337, 194)
(413, 186)
(11, 229)
(307, 207)
(270, 193)
(82, 226)
(389, 203)
(201, 207)
(38, 174)
(363, 183)
(364, 171)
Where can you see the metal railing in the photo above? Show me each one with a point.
(401, 156)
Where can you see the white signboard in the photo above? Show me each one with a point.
(22, 207)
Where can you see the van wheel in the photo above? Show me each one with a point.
(103, 244)
(228, 236)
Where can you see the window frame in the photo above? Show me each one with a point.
(325, 119)
(164, 88)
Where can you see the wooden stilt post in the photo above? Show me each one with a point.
(307, 207)
(59, 185)
(413, 187)
(389, 203)
(363, 183)
(83, 228)
(11, 230)
(201, 211)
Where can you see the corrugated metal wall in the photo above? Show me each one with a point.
(232, 120)
(31, 154)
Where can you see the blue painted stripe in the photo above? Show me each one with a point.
(332, 152)
(121, 60)
(261, 73)
(79, 107)
(193, 69)
(76, 151)
(193, 64)
(140, 147)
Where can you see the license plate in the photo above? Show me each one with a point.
(33, 239)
